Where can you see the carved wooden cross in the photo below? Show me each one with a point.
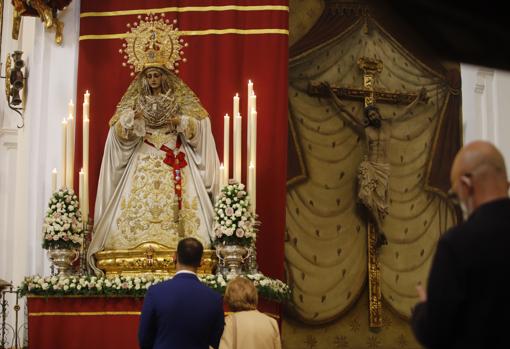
(369, 95)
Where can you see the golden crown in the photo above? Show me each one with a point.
(153, 42)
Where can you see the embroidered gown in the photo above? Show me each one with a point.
(156, 184)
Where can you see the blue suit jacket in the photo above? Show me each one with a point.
(181, 313)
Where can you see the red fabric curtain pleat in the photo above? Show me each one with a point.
(218, 66)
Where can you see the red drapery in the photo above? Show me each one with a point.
(92, 322)
(218, 65)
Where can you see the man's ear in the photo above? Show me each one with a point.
(175, 258)
(467, 182)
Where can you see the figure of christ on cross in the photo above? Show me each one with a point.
(374, 170)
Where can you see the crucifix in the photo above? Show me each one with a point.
(374, 170)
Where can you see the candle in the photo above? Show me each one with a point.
(70, 108)
(237, 148)
(252, 104)
(70, 152)
(236, 105)
(85, 195)
(64, 155)
(226, 147)
(252, 184)
(81, 187)
(86, 105)
(253, 136)
(248, 115)
(54, 180)
(222, 176)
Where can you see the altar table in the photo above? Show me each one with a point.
(92, 322)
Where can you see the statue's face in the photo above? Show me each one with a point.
(153, 77)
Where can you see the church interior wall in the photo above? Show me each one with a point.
(28, 154)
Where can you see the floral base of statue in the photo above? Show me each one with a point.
(63, 259)
(147, 258)
(232, 258)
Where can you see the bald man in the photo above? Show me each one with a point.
(466, 303)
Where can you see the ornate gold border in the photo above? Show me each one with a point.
(186, 9)
(83, 313)
(107, 313)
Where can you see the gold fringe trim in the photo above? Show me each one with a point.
(195, 33)
(87, 313)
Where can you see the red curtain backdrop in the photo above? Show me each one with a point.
(218, 66)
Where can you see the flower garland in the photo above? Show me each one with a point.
(63, 226)
(234, 223)
(136, 286)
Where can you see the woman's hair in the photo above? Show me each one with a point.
(241, 295)
(165, 83)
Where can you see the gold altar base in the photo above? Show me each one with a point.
(147, 258)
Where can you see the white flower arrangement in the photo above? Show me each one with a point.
(63, 226)
(234, 223)
(136, 286)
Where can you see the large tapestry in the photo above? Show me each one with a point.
(228, 42)
(326, 238)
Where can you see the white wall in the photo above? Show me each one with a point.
(28, 155)
(486, 106)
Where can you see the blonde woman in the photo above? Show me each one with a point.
(246, 327)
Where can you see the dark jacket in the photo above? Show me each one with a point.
(466, 296)
(181, 313)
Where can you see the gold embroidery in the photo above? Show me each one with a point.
(158, 139)
(149, 211)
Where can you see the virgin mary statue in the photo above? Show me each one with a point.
(160, 168)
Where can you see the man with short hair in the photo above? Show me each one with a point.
(182, 313)
(465, 305)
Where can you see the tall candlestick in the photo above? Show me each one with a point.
(70, 109)
(85, 195)
(222, 176)
(250, 143)
(70, 152)
(248, 125)
(54, 180)
(236, 105)
(226, 146)
(81, 187)
(63, 152)
(253, 137)
(252, 185)
(86, 105)
(237, 147)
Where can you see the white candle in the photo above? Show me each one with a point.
(237, 147)
(236, 105)
(81, 187)
(54, 180)
(252, 185)
(253, 137)
(85, 195)
(70, 109)
(64, 155)
(70, 152)
(248, 125)
(222, 176)
(86, 105)
(226, 147)
(252, 105)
